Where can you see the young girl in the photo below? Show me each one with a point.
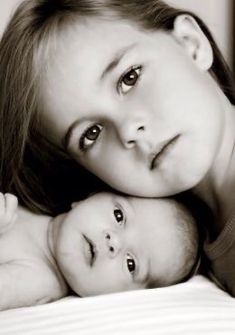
(99, 246)
(136, 92)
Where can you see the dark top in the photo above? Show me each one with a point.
(221, 257)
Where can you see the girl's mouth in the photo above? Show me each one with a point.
(163, 150)
(90, 251)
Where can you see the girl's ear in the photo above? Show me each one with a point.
(188, 33)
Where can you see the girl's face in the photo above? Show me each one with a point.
(133, 107)
(108, 243)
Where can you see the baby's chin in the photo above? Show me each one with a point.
(187, 264)
(183, 262)
(54, 231)
(84, 291)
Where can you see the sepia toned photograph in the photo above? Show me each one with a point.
(117, 167)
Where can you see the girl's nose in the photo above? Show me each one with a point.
(112, 243)
(131, 133)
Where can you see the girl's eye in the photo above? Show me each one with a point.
(118, 214)
(130, 262)
(89, 137)
(129, 79)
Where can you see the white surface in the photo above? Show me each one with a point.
(193, 308)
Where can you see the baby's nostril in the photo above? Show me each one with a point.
(107, 236)
(141, 128)
(111, 249)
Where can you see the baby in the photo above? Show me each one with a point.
(106, 243)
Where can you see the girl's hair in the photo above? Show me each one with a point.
(36, 170)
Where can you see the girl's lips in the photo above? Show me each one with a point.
(90, 251)
(162, 151)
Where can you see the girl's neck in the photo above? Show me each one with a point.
(218, 187)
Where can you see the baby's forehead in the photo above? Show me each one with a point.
(173, 209)
(167, 204)
(102, 197)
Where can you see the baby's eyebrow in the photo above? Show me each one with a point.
(117, 58)
(69, 133)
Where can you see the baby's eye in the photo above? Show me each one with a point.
(118, 214)
(89, 137)
(129, 79)
(130, 262)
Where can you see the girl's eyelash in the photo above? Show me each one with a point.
(97, 128)
(81, 140)
(136, 71)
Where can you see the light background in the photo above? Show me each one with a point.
(218, 15)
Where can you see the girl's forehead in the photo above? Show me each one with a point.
(89, 33)
(87, 48)
(94, 43)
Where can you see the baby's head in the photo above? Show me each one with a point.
(109, 243)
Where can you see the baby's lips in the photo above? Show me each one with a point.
(89, 251)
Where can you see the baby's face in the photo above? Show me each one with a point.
(109, 243)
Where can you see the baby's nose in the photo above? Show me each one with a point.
(112, 243)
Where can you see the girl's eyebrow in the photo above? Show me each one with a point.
(69, 133)
(117, 58)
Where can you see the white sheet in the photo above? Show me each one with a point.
(196, 307)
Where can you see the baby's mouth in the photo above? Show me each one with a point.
(90, 251)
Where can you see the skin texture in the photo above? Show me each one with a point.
(29, 274)
(135, 242)
(132, 123)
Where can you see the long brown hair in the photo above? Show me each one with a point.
(42, 175)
